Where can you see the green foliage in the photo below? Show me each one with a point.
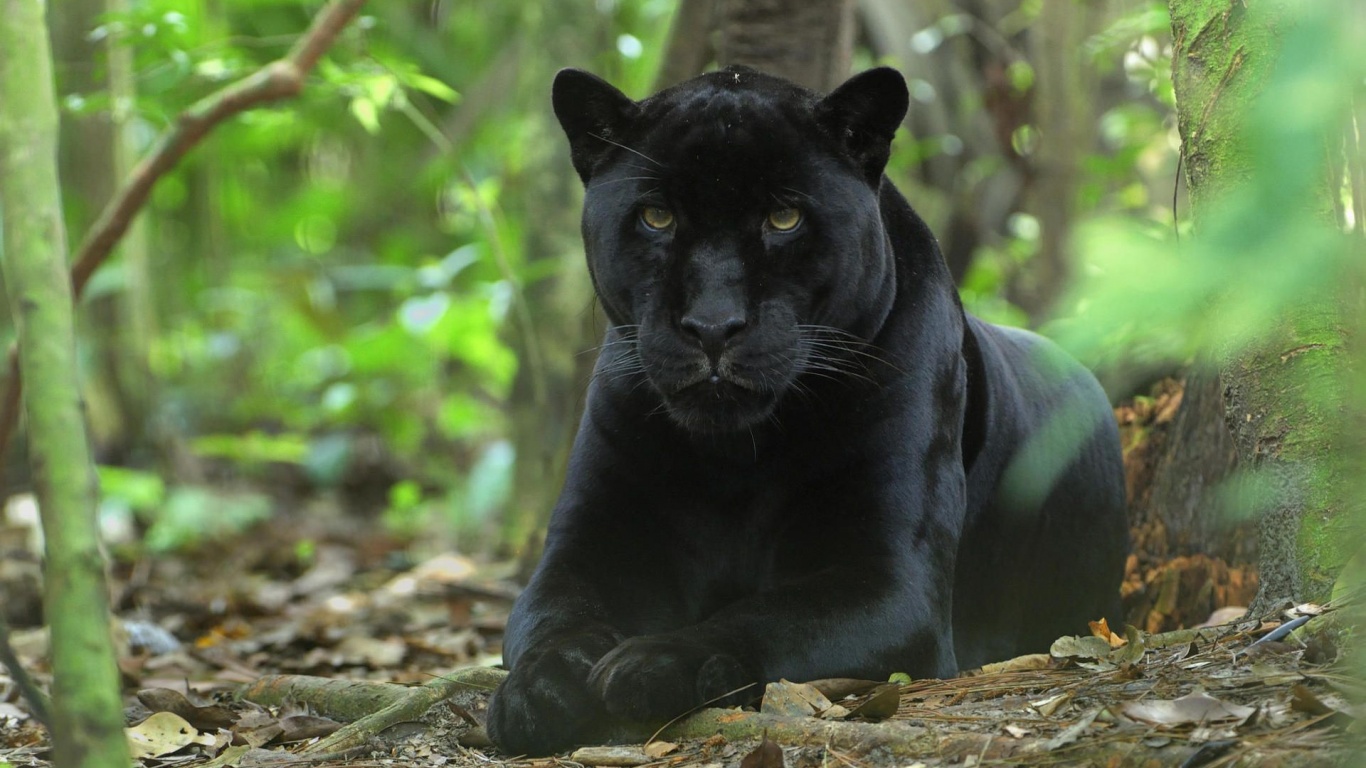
(1263, 247)
(181, 517)
(131, 489)
(194, 515)
(346, 265)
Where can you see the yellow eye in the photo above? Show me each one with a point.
(785, 219)
(657, 218)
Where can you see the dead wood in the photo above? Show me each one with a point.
(372, 706)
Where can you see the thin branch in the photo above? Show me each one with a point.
(38, 703)
(280, 79)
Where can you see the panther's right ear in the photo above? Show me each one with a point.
(863, 115)
(593, 114)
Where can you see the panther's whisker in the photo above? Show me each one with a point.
(610, 182)
(628, 149)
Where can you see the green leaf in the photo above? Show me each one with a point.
(139, 490)
(431, 86)
(365, 112)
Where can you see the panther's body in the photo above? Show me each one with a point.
(799, 458)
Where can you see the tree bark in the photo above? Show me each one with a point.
(1064, 92)
(690, 47)
(809, 42)
(1283, 396)
(87, 717)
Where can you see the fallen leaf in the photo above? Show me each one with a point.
(1026, 663)
(1308, 609)
(1048, 706)
(836, 688)
(657, 749)
(1102, 630)
(1016, 731)
(205, 718)
(1073, 647)
(767, 755)
(373, 652)
(228, 758)
(1194, 708)
(1304, 700)
(301, 727)
(162, 734)
(1131, 649)
(1072, 732)
(610, 756)
(256, 729)
(835, 712)
(790, 699)
(882, 705)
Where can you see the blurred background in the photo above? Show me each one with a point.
(369, 307)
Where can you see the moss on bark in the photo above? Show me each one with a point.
(1284, 398)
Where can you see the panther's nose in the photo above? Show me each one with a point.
(713, 333)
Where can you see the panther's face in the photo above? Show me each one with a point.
(733, 232)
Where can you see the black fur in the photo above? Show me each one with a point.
(799, 457)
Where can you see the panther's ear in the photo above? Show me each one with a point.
(863, 114)
(593, 115)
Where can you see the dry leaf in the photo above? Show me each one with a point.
(1073, 647)
(767, 755)
(1192, 709)
(836, 688)
(1072, 732)
(1016, 731)
(835, 712)
(610, 756)
(790, 699)
(207, 718)
(301, 727)
(1048, 706)
(881, 705)
(1026, 663)
(1130, 649)
(1102, 630)
(657, 749)
(162, 734)
(228, 758)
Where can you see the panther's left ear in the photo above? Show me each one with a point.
(593, 115)
(863, 114)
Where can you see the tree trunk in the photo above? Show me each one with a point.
(809, 42)
(690, 47)
(1064, 92)
(87, 717)
(555, 335)
(1283, 395)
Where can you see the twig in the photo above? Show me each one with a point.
(280, 79)
(38, 704)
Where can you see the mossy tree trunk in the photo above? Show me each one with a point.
(87, 714)
(1283, 395)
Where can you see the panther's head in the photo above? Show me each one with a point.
(733, 231)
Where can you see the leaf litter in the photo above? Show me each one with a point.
(354, 612)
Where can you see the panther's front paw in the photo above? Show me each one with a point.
(545, 704)
(654, 678)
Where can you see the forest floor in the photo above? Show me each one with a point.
(322, 594)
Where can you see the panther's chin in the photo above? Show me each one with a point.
(717, 405)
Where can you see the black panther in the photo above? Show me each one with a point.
(799, 458)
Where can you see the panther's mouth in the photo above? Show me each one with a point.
(715, 403)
